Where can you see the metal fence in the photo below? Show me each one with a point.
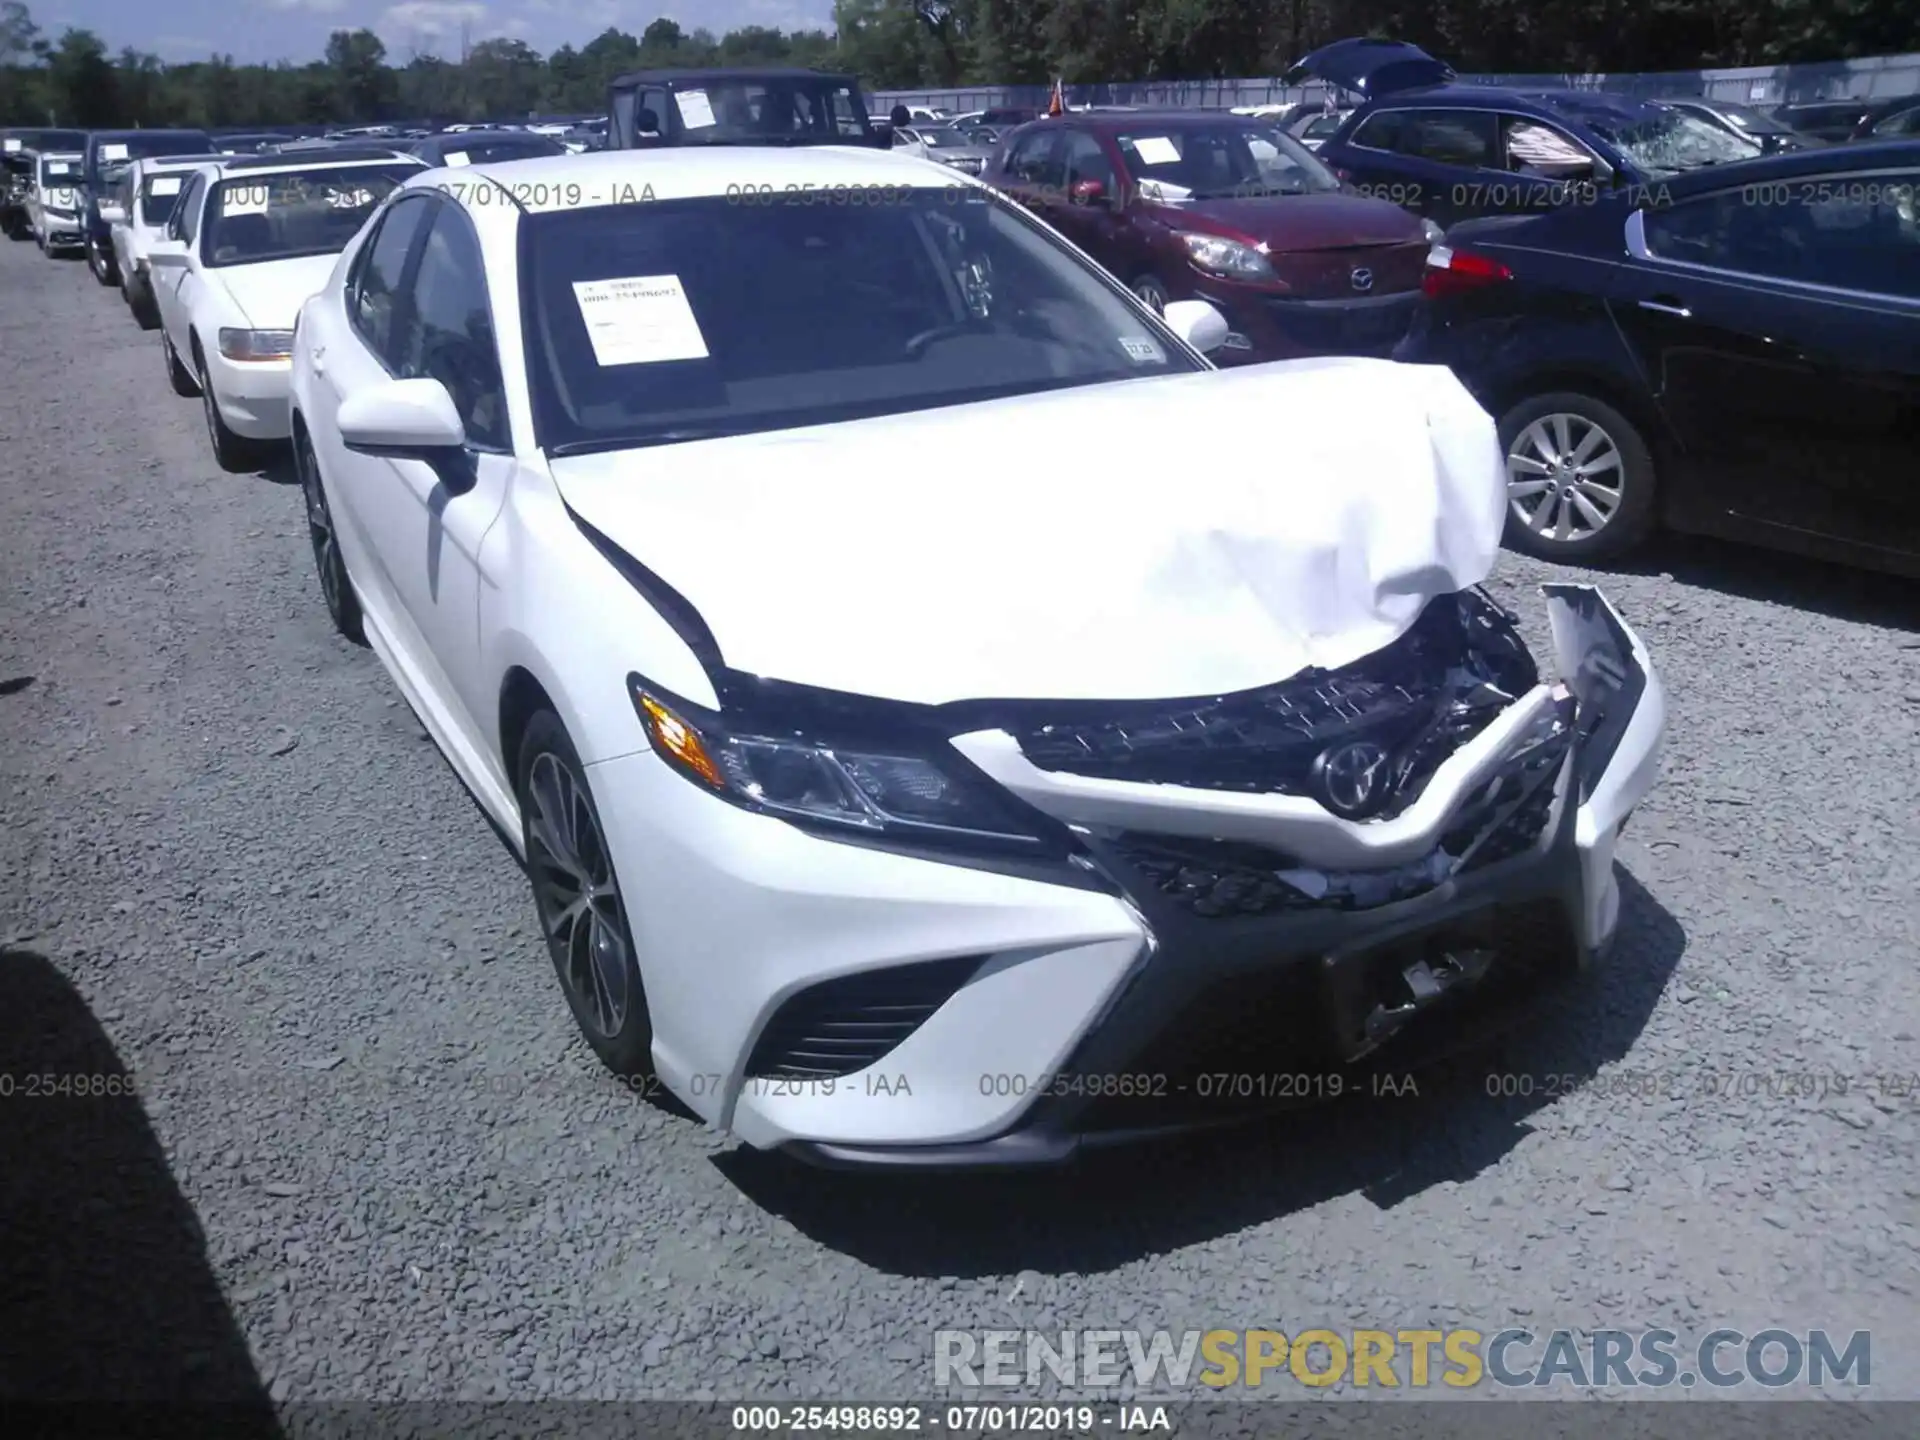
(1875, 79)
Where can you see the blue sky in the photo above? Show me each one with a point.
(297, 29)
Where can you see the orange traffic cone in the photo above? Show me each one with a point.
(1057, 106)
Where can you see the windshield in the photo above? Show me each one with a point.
(109, 153)
(250, 219)
(1672, 141)
(158, 195)
(60, 174)
(1754, 122)
(687, 319)
(1246, 160)
(941, 139)
(726, 112)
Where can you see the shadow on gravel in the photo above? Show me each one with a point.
(1120, 1206)
(106, 1293)
(279, 468)
(1840, 591)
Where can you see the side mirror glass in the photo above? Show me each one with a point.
(1088, 192)
(401, 420)
(1197, 323)
(113, 214)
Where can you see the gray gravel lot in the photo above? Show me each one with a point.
(231, 858)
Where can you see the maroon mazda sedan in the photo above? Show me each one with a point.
(1186, 205)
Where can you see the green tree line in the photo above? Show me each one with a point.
(73, 78)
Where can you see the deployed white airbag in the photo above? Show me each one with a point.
(1191, 535)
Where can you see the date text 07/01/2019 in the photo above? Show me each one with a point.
(1038, 1419)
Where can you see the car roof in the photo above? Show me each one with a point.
(170, 134)
(487, 136)
(55, 154)
(602, 178)
(148, 164)
(312, 160)
(670, 78)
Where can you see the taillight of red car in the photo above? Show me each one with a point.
(1459, 272)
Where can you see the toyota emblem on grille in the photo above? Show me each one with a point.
(1350, 778)
(1362, 279)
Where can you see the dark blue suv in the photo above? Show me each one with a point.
(108, 152)
(1452, 152)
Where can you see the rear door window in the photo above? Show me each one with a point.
(1468, 138)
(1035, 160)
(1848, 232)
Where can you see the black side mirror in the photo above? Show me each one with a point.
(883, 134)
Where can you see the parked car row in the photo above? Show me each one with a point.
(1258, 773)
(1671, 325)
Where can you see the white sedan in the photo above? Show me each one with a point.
(53, 203)
(247, 242)
(138, 213)
(926, 746)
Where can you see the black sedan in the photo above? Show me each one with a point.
(1735, 352)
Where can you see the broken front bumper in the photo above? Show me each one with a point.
(1405, 938)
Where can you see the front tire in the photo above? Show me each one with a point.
(578, 899)
(178, 376)
(101, 264)
(146, 313)
(235, 454)
(343, 606)
(1580, 479)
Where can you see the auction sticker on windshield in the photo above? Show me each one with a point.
(113, 152)
(1156, 150)
(11, 146)
(1141, 350)
(166, 185)
(244, 200)
(458, 157)
(640, 320)
(696, 111)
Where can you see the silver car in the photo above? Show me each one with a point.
(942, 143)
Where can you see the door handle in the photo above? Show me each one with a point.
(1667, 306)
(315, 354)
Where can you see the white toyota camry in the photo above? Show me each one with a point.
(247, 241)
(945, 721)
(142, 203)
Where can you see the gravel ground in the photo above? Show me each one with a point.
(370, 1160)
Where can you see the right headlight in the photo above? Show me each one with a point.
(858, 787)
(1221, 256)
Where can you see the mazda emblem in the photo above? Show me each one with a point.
(1350, 778)
(1362, 279)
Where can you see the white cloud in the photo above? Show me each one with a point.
(432, 19)
(324, 7)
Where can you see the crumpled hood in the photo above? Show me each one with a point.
(1192, 535)
(271, 292)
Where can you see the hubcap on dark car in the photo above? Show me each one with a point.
(1564, 477)
(574, 887)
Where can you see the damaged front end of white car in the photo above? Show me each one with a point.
(966, 838)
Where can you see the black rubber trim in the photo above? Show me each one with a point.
(674, 607)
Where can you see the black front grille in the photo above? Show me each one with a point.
(844, 1025)
(1420, 699)
(1225, 879)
